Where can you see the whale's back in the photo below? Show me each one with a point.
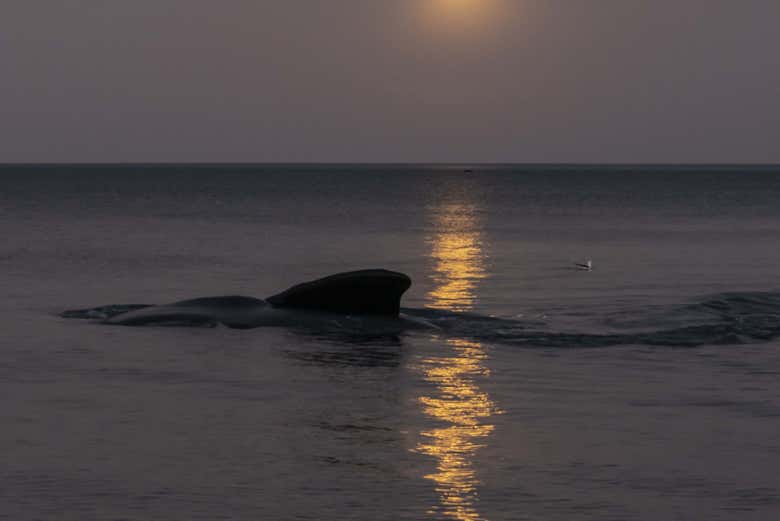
(366, 292)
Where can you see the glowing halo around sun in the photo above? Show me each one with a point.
(459, 17)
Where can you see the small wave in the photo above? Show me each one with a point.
(736, 305)
(726, 319)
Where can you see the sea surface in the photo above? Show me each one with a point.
(645, 389)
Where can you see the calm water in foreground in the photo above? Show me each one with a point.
(648, 388)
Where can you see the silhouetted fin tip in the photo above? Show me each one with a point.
(365, 292)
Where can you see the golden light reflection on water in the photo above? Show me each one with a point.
(458, 269)
(459, 258)
(462, 408)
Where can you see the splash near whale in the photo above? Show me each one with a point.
(373, 294)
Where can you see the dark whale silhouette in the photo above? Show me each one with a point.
(364, 305)
(374, 295)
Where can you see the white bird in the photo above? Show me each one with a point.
(587, 266)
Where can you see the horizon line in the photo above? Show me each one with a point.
(459, 164)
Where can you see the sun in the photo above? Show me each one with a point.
(459, 17)
(460, 5)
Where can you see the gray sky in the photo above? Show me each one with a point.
(390, 80)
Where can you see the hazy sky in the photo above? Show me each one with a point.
(390, 80)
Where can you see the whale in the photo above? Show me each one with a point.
(366, 299)
(364, 306)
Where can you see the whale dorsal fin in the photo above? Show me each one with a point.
(366, 292)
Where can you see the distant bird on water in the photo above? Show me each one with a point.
(585, 266)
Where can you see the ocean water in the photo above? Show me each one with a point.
(647, 388)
